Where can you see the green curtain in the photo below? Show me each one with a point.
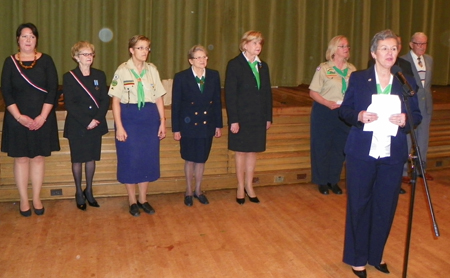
(296, 32)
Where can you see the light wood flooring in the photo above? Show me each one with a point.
(293, 232)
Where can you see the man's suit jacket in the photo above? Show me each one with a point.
(196, 114)
(424, 91)
(362, 85)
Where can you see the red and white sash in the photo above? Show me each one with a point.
(26, 78)
(87, 91)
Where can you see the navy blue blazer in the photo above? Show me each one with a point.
(196, 114)
(81, 109)
(361, 87)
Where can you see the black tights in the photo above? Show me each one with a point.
(89, 171)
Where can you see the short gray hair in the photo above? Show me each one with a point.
(381, 36)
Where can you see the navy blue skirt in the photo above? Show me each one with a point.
(195, 149)
(138, 156)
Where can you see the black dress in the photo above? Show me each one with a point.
(247, 105)
(85, 145)
(17, 140)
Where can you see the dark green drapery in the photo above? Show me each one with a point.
(296, 32)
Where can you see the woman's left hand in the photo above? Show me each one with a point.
(37, 123)
(268, 125)
(93, 124)
(162, 131)
(398, 119)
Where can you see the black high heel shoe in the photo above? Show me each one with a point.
(240, 201)
(252, 199)
(39, 211)
(360, 273)
(26, 213)
(92, 204)
(383, 268)
(80, 206)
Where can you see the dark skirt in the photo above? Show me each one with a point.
(195, 149)
(138, 156)
(250, 138)
(85, 149)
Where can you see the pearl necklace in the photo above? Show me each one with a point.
(32, 64)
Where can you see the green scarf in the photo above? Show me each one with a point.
(386, 91)
(254, 67)
(343, 74)
(140, 90)
(201, 82)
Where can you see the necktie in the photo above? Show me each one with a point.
(141, 96)
(254, 68)
(419, 62)
(201, 82)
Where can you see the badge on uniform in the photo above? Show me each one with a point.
(331, 72)
(96, 84)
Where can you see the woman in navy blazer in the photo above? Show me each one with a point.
(374, 161)
(86, 100)
(196, 117)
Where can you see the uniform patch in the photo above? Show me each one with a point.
(116, 77)
(114, 83)
(318, 68)
(128, 82)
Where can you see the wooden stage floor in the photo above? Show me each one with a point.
(293, 232)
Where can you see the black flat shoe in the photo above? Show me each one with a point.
(80, 206)
(360, 273)
(188, 201)
(134, 210)
(383, 268)
(26, 213)
(252, 199)
(240, 201)
(93, 203)
(324, 189)
(146, 207)
(402, 191)
(335, 188)
(202, 199)
(39, 211)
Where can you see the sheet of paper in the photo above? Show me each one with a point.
(384, 106)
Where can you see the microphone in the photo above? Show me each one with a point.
(397, 71)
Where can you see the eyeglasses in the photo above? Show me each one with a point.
(143, 48)
(200, 58)
(385, 49)
(86, 54)
(344, 46)
(421, 44)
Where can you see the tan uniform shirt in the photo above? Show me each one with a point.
(124, 85)
(328, 83)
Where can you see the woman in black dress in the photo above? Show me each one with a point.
(30, 133)
(87, 101)
(196, 117)
(249, 107)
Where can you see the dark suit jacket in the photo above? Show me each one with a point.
(245, 103)
(362, 85)
(81, 109)
(196, 114)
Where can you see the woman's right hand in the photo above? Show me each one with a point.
(121, 134)
(177, 136)
(26, 121)
(234, 128)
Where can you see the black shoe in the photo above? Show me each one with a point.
(323, 189)
(93, 203)
(402, 191)
(80, 206)
(39, 211)
(383, 268)
(240, 201)
(26, 213)
(252, 199)
(146, 207)
(188, 201)
(202, 199)
(134, 210)
(335, 188)
(360, 273)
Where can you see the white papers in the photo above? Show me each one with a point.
(384, 106)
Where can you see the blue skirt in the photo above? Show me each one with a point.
(138, 156)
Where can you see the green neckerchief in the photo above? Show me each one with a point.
(201, 82)
(386, 91)
(254, 68)
(140, 90)
(343, 74)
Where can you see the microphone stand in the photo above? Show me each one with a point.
(416, 165)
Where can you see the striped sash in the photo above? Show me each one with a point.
(87, 91)
(26, 78)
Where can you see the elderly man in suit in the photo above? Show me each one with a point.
(422, 65)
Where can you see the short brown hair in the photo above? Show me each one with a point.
(196, 48)
(79, 45)
(134, 40)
